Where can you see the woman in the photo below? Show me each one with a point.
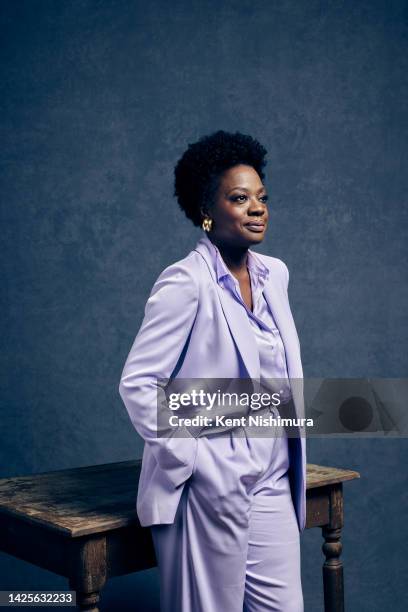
(225, 510)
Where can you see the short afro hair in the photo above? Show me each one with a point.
(198, 171)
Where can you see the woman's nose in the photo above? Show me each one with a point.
(256, 206)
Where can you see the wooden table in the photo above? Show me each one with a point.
(82, 524)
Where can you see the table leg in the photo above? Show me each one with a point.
(86, 601)
(88, 573)
(332, 570)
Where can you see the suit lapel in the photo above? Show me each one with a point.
(241, 332)
(236, 319)
(286, 328)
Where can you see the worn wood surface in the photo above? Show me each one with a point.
(321, 476)
(90, 500)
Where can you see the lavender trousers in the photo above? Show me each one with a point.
(234, 544)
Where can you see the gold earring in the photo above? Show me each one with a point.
(207, 224)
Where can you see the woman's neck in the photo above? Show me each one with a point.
(235, 258)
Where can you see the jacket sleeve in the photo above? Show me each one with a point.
(169, 316)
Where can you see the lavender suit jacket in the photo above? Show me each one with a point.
(193, 328)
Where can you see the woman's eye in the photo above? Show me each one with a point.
(242, 198)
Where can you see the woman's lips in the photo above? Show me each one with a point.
(255, 227)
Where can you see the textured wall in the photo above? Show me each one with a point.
(99, 98)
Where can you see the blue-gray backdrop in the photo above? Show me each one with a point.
(99, 99)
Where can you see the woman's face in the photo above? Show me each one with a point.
(241, 200)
